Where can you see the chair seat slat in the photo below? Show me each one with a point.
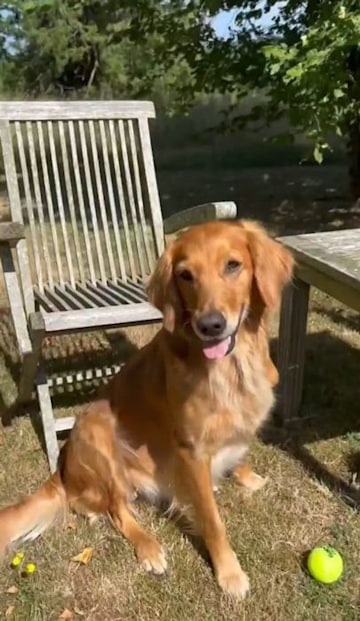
(103, 292)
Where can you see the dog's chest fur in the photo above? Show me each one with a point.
(240, 398)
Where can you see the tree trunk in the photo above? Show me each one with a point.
(354, 160)
(354, 134)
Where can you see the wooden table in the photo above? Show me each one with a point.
(330, 262)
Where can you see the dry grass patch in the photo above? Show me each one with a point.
(271, 531)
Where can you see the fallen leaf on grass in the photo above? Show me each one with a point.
(79, 612)
(12, 590)
(84, 557)
(9, 611)
(66, 614)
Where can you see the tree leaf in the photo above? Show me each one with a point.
(84, 557)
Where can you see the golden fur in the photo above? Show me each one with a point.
(173, 421)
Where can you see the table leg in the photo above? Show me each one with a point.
(291, 349)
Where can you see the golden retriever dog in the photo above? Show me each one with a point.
(182, 411)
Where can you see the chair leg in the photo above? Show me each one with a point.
(31, 361)
(291, 349)
(48, 419)
(27, 380)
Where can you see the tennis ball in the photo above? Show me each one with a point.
(30, 568)
(325, 564)
(18, 559)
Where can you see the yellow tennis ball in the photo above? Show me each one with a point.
(325, 564)
(18, 559)
(30, 568)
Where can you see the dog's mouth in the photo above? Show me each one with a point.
(216, 350)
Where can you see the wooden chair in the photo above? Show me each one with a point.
(81, 181)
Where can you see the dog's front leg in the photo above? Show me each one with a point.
(193, 487)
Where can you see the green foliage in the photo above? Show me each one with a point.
(306, 63)
(83, 48)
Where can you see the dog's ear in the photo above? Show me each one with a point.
(161, 290)
(273, 263)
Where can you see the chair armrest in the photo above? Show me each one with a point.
(14, 295)
(225, 210)
(11, 232)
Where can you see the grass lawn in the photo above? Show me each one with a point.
(308, 500)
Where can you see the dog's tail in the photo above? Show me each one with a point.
(29, 518)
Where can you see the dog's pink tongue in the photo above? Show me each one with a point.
(215, 352)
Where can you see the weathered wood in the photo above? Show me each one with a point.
(334, 253)
(74, 110)
(11, 231)
(110, 189)
(50, 206)
(329, 261)
(90, 161)
(64, 424)
(121, 198)
(88, 375)
(29, 204)
(60, 204)
(81, 201)
(125, 315)
(31, 362)
(38, 199)
(339, 289)
(16, 212)
(70, 199)
(91, 200)
(152, 187)
(15, 300)
(291, 348)
(100, 194)
(48, 420)
(130, 197)
(150, 259)
(225, 210)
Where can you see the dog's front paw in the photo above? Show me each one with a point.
(151, 556)
(232, 579)
(248, 479)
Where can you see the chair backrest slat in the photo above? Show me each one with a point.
(114, 216)
(84, 184)
(49, 203)
(39, 202)
(59, 198)
(70, 196)
(152, 187)
(35, 242)
(91, 199)
(80, 197)
(130, 197)
(121, 197)
(100, 194)
(139, 197)
(16, 212)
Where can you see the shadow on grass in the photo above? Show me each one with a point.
(86, 358)
(330, 409)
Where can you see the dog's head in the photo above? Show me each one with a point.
(208, 279)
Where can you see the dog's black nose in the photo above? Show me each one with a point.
(212, 324)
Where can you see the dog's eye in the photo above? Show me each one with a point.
(186, 275)
(232, 266)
